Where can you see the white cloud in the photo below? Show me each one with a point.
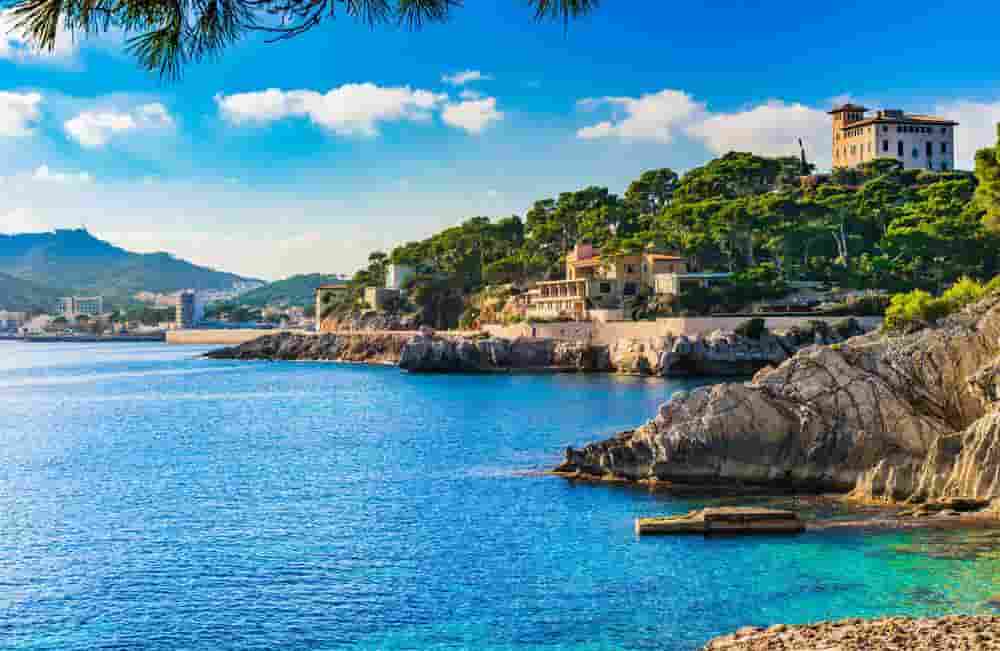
(472, 115)
(97, 128)
(977, 128)
(470, 94)
(465, 77)
(14, 46)
(45, 173)
(348, 110)
(771, 129)
(18, 113)
(656, 117)
(20, 220)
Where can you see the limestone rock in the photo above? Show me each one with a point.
(882, 417)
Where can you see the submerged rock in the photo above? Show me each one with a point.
(880, 417)
(932, 634)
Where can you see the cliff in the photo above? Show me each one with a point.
(880, 417)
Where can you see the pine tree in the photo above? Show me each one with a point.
(988, 192)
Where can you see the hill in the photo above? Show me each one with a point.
(77, 260)
(295, 290)
(23, 295)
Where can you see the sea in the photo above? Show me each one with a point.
(152, 499)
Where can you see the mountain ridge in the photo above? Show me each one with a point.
(76, 260)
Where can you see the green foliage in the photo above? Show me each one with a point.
(916, 309)
(297, 290)
(963, 292)
(79, 262)
(754, 328)
(468, 318)
(988, 192)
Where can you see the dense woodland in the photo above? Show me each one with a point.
(877, 227)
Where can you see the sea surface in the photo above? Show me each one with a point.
(150, 499)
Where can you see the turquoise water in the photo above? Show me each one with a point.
(153, 500)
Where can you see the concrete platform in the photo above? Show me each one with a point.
(723, 520)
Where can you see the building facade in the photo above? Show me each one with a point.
(396, 275)
(600, 282)
(12, 320)
(917, 141)
(186, 306)
(75, 306)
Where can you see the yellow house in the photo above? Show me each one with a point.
(594, 281)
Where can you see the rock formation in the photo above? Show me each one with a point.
(374, 348)
(722, 353)
(881, 417)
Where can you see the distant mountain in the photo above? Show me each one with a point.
(75, 259)
(23, 295)
(295, 290)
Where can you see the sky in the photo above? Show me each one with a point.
(305, 155)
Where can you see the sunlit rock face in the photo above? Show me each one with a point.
(880, 417)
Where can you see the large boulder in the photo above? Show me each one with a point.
(885, 418)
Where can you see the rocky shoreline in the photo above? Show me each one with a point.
(880, 418)
(887, 634)
(716, 354)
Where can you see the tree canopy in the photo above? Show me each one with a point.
(164, 35)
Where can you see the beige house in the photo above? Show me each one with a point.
(596, 282)
(917, 141)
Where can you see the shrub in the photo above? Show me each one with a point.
(752, 328)
(963, 292)
(914, 310)
(992, 287)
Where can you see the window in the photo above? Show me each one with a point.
(885, 127)
(930, 149)
(885, 145)
(629, 289)
(605, 288)
(944, 129)
(944, 148)
(899, 148)
(630, 268)
(916, 152)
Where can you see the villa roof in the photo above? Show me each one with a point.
(847, 107)
(905, 118)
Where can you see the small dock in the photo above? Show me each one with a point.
(723, 520)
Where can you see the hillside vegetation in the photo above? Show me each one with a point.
(296, 290)
(878, 226)
(23, 295)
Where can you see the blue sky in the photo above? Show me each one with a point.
(307, 154)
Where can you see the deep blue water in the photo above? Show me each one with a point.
(153, 500)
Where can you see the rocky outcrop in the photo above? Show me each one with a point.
(426, 352)
(721, 354)
(372, 348)
(433, 354)
(880, 417)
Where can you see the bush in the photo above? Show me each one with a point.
(914, 310)
(962, 293)
(752, 328)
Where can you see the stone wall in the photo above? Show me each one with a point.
(612, 332)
